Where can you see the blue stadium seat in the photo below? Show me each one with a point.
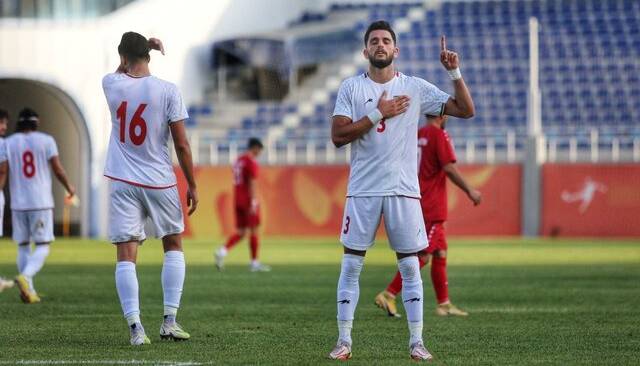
(588, 58)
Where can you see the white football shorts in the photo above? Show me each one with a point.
(32, 226)
(403, 223)
(130, 206)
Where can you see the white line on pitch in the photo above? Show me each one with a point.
(103, 362)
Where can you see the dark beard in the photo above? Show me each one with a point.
(380, 64)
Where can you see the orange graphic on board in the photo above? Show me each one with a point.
(309, 200)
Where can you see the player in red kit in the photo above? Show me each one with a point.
(245, 173)
(437, 162)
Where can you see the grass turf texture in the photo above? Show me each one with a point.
(531, 302)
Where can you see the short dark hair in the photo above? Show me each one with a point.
(4, 114)
(254, 142)
(27, 120)
(379, 25)
(134, 47)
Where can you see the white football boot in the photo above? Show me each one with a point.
(418, 352)
(138, 336)
(259, 267)
(342, 351)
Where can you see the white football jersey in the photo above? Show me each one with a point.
(28, 154)
(3, 158)
(141, 111)
(384, 160)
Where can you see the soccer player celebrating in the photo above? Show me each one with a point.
(4, 121)
(31, 155)
(245, 173)
(437, 161)
(378, 113)
(145, 111)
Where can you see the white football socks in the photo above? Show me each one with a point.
(127, 286)
(36, 260)
(222, 251)
(348, 294)
(173, 272)
(23, 257)
(412, 295)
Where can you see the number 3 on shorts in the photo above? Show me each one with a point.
(346, 225)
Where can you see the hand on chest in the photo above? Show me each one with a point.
(371, 98)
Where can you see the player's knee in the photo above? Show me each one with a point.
(423, 256)
(351, 268)
(172, 242)
(405, 255)
(409, 268)
(127, 252)
(360, 253)
(440, 253)
(45, 247)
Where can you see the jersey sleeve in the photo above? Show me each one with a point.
(432, 99)
(343, 100)
(444, 149)
(176, 110)
(51, 148)
(108, 79)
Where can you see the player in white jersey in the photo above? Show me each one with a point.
(31, 156)
(378, 113)
(4, 121)
(145, 112)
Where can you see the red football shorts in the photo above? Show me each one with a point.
(245, 218)
(436, 236)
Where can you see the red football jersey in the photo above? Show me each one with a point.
(244, 169)
(436, 150)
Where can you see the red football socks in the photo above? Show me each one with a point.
(395, 286)
(439, 279)
(253, 242)
(233, 240)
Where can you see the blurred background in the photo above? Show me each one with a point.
(554, 145)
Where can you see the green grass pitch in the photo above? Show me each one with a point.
(562, 302)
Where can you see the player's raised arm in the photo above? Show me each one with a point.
(156, 44)
(461, 104)
(183, 151)
(457, 179)
(343, 131)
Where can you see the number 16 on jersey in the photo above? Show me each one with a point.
(137, 126)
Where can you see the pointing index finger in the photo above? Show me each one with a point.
(443, 43)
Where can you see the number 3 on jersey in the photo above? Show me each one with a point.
(382, 126)
(137, 126)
